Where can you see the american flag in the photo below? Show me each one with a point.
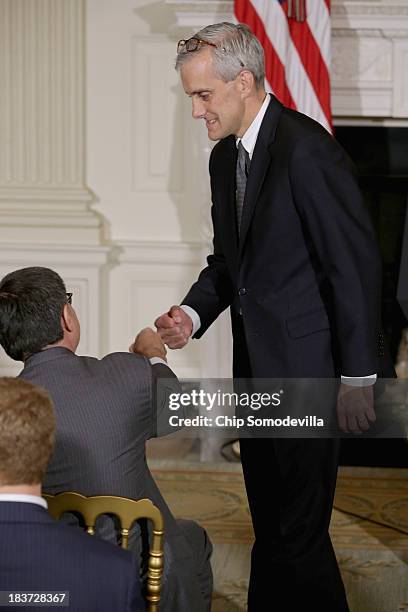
(295, 35)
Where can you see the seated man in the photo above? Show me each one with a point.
(37, 552)
(105, 411)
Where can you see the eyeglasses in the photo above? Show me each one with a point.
(69, 297)
(192, 44)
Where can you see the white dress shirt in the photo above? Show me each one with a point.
(250, 137)
(154, 360)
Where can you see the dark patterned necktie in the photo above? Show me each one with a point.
(242, 170)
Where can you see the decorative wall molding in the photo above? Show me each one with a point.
(42, 148)
(372, 13)
(362, 60)
(22, 225)
(195, 14)
(163, 253)
(382, 12)
(157, 143)
(13, 256)
(147, 278)
(400, 99)
(369, 76)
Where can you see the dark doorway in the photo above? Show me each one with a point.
(381, 157)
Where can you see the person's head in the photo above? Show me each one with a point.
(35, 313)
(222, 69)
(27, 426)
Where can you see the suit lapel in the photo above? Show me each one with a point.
(229, 221)
(261, 160)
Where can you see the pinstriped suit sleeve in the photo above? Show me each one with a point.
(164, 384)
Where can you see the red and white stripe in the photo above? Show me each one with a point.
(297, 54)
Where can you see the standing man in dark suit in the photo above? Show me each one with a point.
(38, 553)
(106, 410)
(295, 258)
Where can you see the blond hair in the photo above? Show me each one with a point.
(27, 426)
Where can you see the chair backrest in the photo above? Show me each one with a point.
(128, 511)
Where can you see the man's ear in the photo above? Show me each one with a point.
(246, 82)
(67, 320)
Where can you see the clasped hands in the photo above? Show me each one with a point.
(173, 328)
(355, 405)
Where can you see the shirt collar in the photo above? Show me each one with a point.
(21, 497)
(250, 136)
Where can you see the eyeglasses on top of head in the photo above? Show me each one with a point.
(69, 297)
(192, 44)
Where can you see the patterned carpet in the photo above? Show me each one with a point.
(369, 530)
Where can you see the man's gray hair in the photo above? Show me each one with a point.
(237, 48)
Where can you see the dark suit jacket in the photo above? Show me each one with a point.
(38, 553)
(306, 270)
(105, 412)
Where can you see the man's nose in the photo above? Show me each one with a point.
(198, 109)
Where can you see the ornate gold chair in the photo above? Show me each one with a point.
(128, 511)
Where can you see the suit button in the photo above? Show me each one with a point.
(242, 291)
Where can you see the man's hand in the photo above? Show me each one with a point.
(149, 344)
(355, 408)
(175, 327)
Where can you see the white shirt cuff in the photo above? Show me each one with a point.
(359, 381)
(194, 316)
(154, 360)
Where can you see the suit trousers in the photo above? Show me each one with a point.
(290, 484)
(200, 543)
